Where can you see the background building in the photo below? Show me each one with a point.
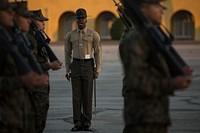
(182, 17)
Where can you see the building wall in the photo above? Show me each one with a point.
(54, 9)
(191, 6)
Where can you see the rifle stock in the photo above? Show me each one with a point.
(157, 36)
(45, 42)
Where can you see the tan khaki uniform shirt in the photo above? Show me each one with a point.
(83, 44)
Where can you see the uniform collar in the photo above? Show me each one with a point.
(84, 30)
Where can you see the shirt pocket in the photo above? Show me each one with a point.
(74, 41)
(88, 40)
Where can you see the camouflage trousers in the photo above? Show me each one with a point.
(16, 113)
(146, 128)
(41, 102)
(4, 129)
(9, 130)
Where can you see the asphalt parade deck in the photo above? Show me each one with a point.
(108, 116)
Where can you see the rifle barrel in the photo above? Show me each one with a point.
(40, 38)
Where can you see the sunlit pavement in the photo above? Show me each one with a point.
(108, 115)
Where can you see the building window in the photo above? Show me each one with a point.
(66, 23)
(104, 23)
(183, 25)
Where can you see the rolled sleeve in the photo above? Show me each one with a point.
(68, 53)
(97, 52)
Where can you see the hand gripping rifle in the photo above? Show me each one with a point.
(7, 44)
(45, 42)
(158, 36)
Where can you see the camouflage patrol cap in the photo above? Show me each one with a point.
(37, 15)
(22, 9)
(81, 13)
(5, 5)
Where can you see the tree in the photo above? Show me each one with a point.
(117, 29)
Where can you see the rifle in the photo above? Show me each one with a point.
(127, 22)
(23, 42)
(7, 44)
(158, 36)
(44, 41)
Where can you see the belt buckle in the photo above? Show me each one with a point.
(82, 60)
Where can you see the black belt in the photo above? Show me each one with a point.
(82, 60)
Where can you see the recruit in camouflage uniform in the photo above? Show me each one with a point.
(41, 95)
(146, 88)
(15, 83)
